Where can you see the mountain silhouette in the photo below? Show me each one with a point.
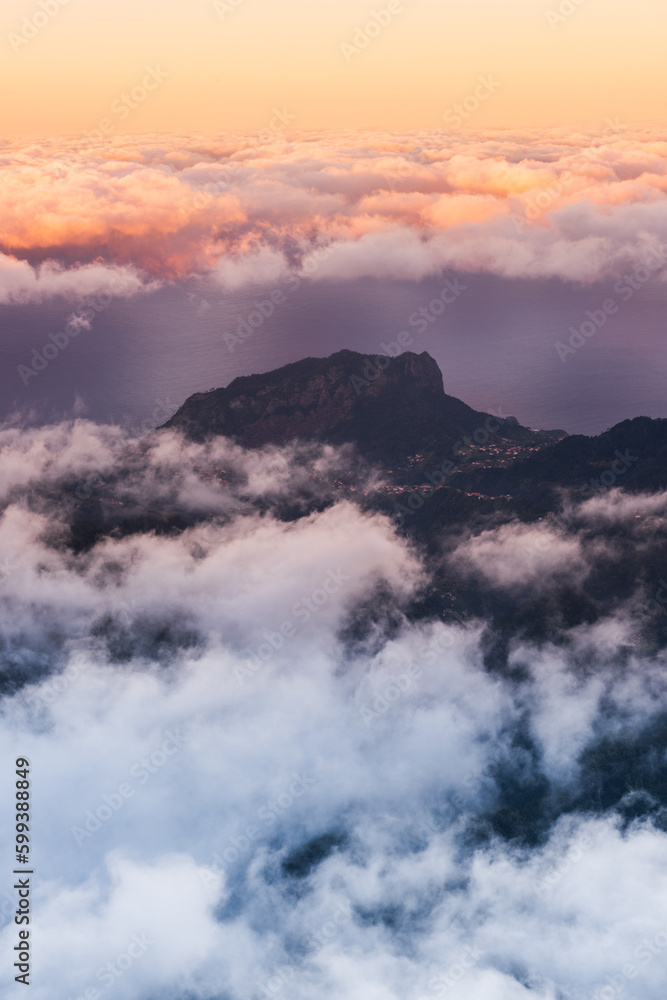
(389, 408)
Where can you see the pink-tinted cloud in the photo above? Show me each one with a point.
(579, 207)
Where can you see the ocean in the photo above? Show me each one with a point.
(494, 339)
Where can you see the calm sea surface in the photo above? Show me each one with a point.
(495, 345)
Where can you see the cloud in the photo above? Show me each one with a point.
(264, 267)
(579, 207)
(358, 804)
(521, 555)
(21, 284)
(617, 506)
(152, 946)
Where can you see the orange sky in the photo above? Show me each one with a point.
(229, 64)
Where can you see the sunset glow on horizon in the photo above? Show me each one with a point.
(390, 65)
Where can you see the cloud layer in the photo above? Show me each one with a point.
(244, 209)
(257, 772)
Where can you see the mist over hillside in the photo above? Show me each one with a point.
(374, 739)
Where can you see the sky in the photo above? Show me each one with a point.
(227, 65)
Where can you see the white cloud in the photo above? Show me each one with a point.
(392, 736)
(521, 555)
(21, 284)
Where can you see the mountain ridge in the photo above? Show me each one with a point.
(389, 407)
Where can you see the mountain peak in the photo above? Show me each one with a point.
(389, 407)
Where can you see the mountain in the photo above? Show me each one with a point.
(632, 454)
(439, 463)
(392, 409)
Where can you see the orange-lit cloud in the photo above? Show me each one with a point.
(240, 210)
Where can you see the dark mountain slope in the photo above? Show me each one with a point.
(390, 408)
(632, 454)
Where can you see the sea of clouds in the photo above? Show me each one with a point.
(76, 212)
(256, 773)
